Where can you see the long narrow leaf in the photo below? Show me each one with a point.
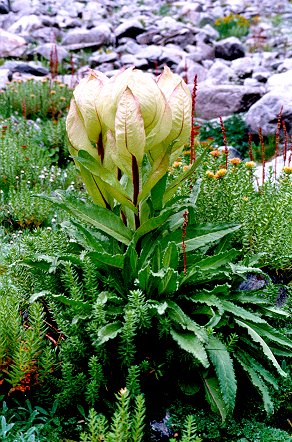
(99, 217)
(223, 365)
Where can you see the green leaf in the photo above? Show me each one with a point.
(109, 331)
(178, 315)
(130, 264)
(156, 181)
(214, 396)
(38, 295)
(266, 349)
(170, 256)
(273, 335)
(257, 381)
(169, 281)
(99, 217)
(207, 238)
(241, 312)
(208, 299)
(172, 188)
(100, 259)
(73, 303)
(223, 365)
(151, 224)
(111, 183)
(210, 263)
(85, 236)
(189, 342)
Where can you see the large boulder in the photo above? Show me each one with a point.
(229, 49)
(214, 101)
(264, 113)
(11, 45)
(82, 38)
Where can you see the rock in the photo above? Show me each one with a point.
(11, 44)
(26, 68)
(25, 25)
(243, 67)
(280, 81)
(4, 7)
(220, 73)
(200, 52)
(129, 59)
(264, 113)
(214, 101)
(82, 38)
(48, 49)
(188, 69)
(229, 48)
(3, 77)
(285, 65)
(232, 152)
(129, 28)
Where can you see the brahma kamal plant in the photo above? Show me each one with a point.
(167, 299)
(124, 134)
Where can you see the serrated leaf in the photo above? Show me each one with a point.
(179, 316)
(207, 238)
(189, 342)
(100, 259)
(151, 224)
(257, 381)
(170, 256)
(214, 396)
(266, 349)
(38, 295)
(169, 282)
(223, 365)
(241, 312)
(99, 217)
(109, 331)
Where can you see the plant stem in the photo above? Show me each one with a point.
(135, 177)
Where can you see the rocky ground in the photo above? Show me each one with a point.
(251, 75)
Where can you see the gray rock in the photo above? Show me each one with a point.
(200, 52)
(11, 44)
(129, 59)
(25, 25)
(97, 59)
(129, 28)
(82, 38)
(3, 77)
(243, 67)
(229, 48)
(4, 7)
(214, 101)
(151, 52)
(232, 152)
(220, 73)
(264, 113)
(48, 49)
(285, 65)
(188, 69)
(280, 81)
(26, 68)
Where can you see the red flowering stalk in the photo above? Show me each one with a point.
(250, 153)
(263, 153)
(183, 236)
(286, 140)
(54, 62)
(24, 109)
(225, 142)
(186, 71)
(290, 156)
(277, 139)
(194, 132)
